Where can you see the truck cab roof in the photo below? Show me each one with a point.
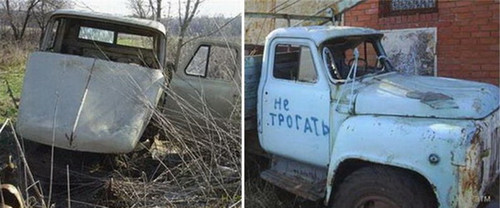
(148, 24)
(319, 34)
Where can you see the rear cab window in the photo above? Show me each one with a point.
(95, 34)
(107, 41)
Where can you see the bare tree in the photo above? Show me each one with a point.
(40, 13)
(14, 11)
(158, 10)
(155, 9)
(21, 14)
(140, 8)
(185, 18)
(148, 10)
(152, 9)
(186, 11)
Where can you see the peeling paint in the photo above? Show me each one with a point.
(481, 163)
(433, 99)
(422, 96)
(469, 175)
(477, 104)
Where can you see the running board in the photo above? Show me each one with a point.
(294, 184)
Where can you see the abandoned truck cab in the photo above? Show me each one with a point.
(95, 82)
(343, 126)
(113, 38)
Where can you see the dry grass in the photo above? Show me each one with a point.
(197, 164)
(261, 194)
(13, 56)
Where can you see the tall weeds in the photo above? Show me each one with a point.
(193, 160)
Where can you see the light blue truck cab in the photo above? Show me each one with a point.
(343, 126)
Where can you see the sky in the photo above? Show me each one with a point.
(228, 8)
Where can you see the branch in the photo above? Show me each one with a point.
(11, 94)
(212, 32)
(153, 10)
(11, 21)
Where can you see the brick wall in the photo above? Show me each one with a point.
(467, 35)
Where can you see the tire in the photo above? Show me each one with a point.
(379, 186)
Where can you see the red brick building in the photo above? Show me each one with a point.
(467, 44)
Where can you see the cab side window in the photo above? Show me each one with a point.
(198, 64)
(213, 62)
(294, 62)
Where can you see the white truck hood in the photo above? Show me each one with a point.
(421, 96)
(86, 104)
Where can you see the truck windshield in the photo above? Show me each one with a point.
(338, 56)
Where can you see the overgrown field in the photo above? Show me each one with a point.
(12, 63)
(196, 164)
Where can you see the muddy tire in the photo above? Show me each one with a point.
(378, 186)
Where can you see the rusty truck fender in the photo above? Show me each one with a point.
(445, 143)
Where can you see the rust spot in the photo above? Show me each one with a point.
(470, 180)
(477, 105)
(470, 173)
(476, 139)
(433, 99)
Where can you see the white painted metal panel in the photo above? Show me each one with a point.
(293, 115)
(118, 106)
(422, 96)
(107, 17)
(190, 99)
(99, 106)
(52, 91)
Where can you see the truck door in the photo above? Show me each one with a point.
(209, 81)
(294, 103)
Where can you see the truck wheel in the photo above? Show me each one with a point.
(378, 186)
